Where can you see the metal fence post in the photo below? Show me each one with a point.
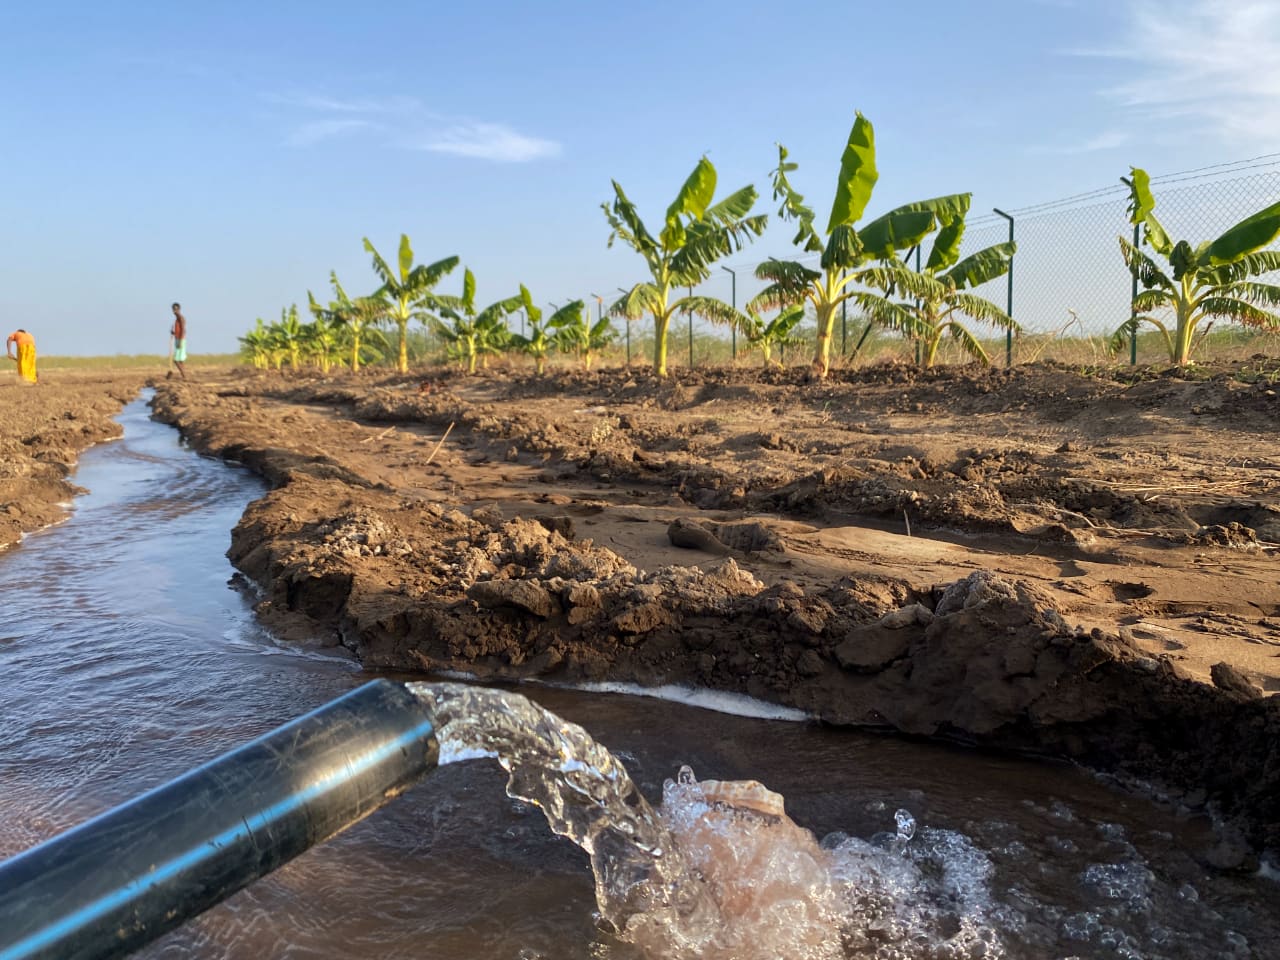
(689, 293)
(627, 320)
(1133, 310)
(1008, 334)
(917, 303)
(844, 320)
(733, 301)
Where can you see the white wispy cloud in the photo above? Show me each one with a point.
(489, 141)
(407, 124)
(1212, 64)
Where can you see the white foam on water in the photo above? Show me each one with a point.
(733, 704)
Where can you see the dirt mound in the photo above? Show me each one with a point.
(46, 428)
(607, 525)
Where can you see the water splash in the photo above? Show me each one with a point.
(720, 871)
(644, 887)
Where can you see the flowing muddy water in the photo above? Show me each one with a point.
(126, 659)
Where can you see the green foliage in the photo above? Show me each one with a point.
(577, 335)
(768, 335)
(1213, 279)
(470, 333)
(408, 291)
(935, 294)
(846, 247)
(695, 234)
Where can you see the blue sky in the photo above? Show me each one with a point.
(229, 155)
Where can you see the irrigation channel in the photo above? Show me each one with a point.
(126, 658)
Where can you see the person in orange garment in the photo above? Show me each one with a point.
(26, 355)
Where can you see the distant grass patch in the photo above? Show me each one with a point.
(133, 361)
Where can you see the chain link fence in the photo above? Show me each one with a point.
(1071, 289)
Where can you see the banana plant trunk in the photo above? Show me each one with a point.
(402, 363)
(355, 353)
(660, 324)
(1186, 328)
(931, 350)
(822, 346)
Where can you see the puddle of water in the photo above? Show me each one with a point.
(126, 660)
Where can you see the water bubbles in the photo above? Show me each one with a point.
(1111, 831)
(906, 825)
(1060, 811)
(1062, 845)
(1130, 883)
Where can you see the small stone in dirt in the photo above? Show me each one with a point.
(513, 454)
(692, 535)
(521, 594)
(809, 664)
(1231, 681)
(1068, 447)
(872, 648)
(582, 595)
(915, 613)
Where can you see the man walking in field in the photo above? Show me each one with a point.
(26, 353)
(178, 340)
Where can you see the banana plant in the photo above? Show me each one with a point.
(695, 234)
(542, 336)
(765, 335)
(255, 346)
(1214, 279)
(323, 341)
(938, 294)
(359, 317)
(407, 290)
(472, 333)
(843, 246)
(576, 334)
(289, 335)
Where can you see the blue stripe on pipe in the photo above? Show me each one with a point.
(50, 936)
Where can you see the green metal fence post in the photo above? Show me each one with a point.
(1133, 293)
(1133, 311)
(1008, 335)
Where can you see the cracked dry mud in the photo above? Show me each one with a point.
(1026, 559)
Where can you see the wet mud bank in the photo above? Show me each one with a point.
(46, 428)
(564, 530)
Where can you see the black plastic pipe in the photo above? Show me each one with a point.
(121, 880)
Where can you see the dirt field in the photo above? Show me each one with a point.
(1029, 560)
(44, 429)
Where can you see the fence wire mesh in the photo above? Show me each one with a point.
(1071, 288)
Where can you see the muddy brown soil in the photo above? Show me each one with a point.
(44, 429)
(1029, 559)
